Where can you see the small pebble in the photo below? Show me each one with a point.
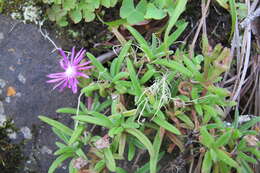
(11, 134)
(26, 132)
(46, 150)
(12, 68)
(21, 78)
(11, 91)
(7, 99)
(19, 61)
(18, 94)
(2, 83)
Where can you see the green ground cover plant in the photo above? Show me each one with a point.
(151, 98)
(149, 95)
(76, 10)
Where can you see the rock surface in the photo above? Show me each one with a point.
(25, 60)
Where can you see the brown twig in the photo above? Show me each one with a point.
(202, 20)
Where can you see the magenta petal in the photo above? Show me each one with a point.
(64, 55)
(62, 64)
(55, 75)
(72, 55)
(79, 53)
(74, 88)
(85, 63)
(63, 85)
(54, 80)
(83, 75)
(85, 68)
(81, 56)
(58, 84)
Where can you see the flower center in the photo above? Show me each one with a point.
(70, 71)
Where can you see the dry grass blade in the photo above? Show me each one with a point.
(245, 78)
(244, 62)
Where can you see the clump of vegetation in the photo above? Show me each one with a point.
(11, 156)
(1, 5)
(149, 95)
(75, 10)
(153, 98)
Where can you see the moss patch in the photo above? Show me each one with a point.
(11, 156)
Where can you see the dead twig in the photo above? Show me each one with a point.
(248, 20)
(202, 20)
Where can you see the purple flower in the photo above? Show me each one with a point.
(72, 70)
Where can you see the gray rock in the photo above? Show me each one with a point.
(25, 60)
(26, 132)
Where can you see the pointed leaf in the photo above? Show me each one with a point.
(225, 158)
(109, 159)
(166, 125)
(94, 120)
(207, 163)
(57, 125)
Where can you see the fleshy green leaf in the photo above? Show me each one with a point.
(120, 76)
(56, 163)
(88, 15)
(142, 42)
(102, 70)
(174, 15)
(225, 158)
(131, 151)
(61, 135)
(154, 13)
(94, 120)
(207, 163)
(148, 75)
(100, 165)
(174, 66)
(250, 123)
(143, 139)
(157, 146)
(120, 170)
(186, 120)
(206, 138)
(219, 91)
(166, 125)
(173, 37)
(115, 131)
(121, 57)
(132, 14)
(76, 15)
(57, 125)
(247, 158)
(133, 77)
(223, 139)
(66, 149)
(76, 133)
(68, 111)
(109, 159)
